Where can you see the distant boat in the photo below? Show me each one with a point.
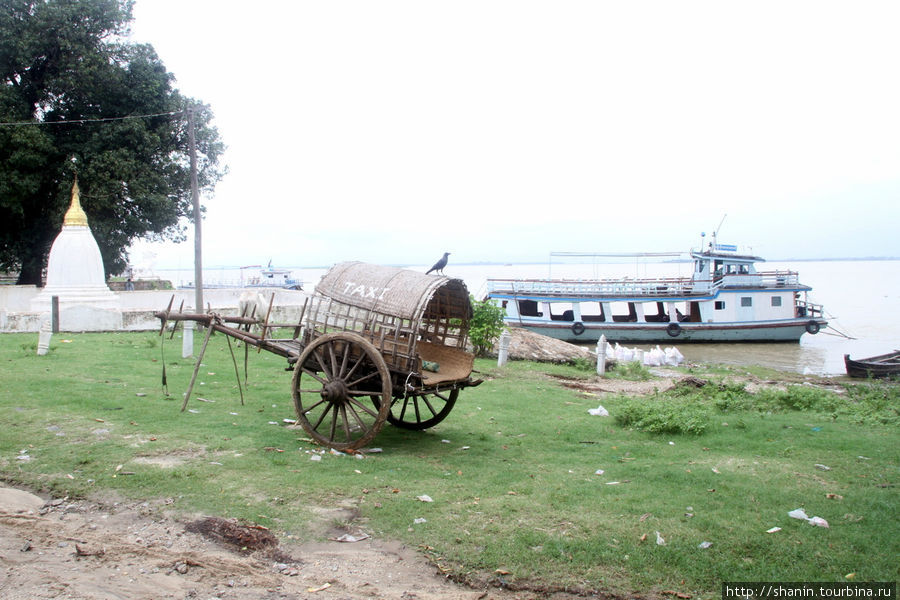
(268, 277)
(725, 300)
(883, 365)
(275, 277)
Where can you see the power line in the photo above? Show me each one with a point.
(102, 120)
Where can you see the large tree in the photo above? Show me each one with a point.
(75, 98)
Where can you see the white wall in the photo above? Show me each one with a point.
(137, 308)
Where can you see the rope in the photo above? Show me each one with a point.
(837, 332)
(406, 385)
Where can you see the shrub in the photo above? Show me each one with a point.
(663, 415)
(485, 326)
(630, 371)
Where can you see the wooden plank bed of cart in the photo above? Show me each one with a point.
(373, 344)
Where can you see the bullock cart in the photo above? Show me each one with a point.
(373, 344)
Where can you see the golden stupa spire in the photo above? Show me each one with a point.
(75, 215)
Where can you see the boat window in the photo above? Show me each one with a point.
(720, 305)
(529, 308)
(776, 300)
(561, 311)
(591, 311)
(655, 312)
(623, 311)
(746, 301)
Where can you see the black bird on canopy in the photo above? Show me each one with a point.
(439, 265)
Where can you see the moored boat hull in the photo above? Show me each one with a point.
(674, 332)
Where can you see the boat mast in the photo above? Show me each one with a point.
(715, 235)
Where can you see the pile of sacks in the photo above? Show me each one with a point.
(656, 357)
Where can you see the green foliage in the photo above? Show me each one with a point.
(663, 415)
(485, 326)
(584, 364)
(630, 371)
(65, 68)
(689, 405)
(860, 403)
(875, 402)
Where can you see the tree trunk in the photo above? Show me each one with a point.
(32, 269)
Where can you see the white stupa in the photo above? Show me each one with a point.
(76, 276)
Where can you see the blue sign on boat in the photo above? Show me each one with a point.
(726, 247)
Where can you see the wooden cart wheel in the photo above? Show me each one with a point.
(421, 411)
(342, 390)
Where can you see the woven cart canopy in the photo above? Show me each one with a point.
(397, 292)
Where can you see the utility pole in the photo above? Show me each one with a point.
(195, 197)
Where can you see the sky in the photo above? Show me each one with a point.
(393, 131)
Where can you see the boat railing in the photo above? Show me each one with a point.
(808, 309)
(597, 287)
(673, 286)
(762, 279)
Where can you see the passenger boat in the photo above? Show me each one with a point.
(265, 277)
(724, 300)
(883, 365)
(273, 277)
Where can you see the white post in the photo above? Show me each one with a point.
(503, 354)
(44, 338)
(601, 355)
(187, 337)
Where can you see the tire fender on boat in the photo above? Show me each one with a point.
(577, 327)
(812, 327)
(673, 329)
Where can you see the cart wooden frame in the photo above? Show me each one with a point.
(373, 344)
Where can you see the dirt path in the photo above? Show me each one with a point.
(129, 551)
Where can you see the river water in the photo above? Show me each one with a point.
(861, 300)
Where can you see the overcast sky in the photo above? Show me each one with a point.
(393, 131)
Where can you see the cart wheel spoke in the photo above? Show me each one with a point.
(334, 421)
(428, 404)
(315, 376)
(370, 411)
(321, 416)
(359, 424)
(310, 409)
(320, 359)
(411, 413)
(352, 371)
(345, 358)
(355, 382)
(329, 401)
(332, 360)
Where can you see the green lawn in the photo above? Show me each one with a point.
(512, 472)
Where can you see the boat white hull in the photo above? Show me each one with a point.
(685, 332)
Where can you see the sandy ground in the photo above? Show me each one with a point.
(129, 551)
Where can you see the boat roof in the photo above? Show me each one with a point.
(726, 256)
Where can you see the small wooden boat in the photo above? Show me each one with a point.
(883, 365)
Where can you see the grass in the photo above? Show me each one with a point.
(513, 471)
